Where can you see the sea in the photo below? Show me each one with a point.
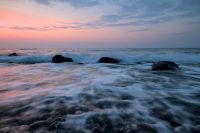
(38, 96)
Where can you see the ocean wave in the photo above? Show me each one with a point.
(91, 57)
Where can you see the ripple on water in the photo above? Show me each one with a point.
(98, 98)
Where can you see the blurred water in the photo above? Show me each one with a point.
(126, 56)
(91, 97)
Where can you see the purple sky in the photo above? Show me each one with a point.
(99, 23)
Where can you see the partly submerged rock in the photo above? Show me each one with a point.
(13, 54)
(165, 65)
(107, 60)
(10, 62)
(60, 59)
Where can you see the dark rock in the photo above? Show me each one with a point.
(165, 65)
(10, 62)
(108, 60)
(80, 63)
(13, 54)
(60, 59)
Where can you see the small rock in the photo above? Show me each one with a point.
(60, 59)
(108, 60)
(165, 65)
(13, 54)
(10, 62)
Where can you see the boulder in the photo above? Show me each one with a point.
(60, 59)
(165, 65)
(10, 62)
(13, 54)
(108, 60)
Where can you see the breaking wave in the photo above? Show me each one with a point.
(126, 56)
(99, 98)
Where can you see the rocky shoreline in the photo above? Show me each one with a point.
(156, 66)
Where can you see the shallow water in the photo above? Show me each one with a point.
(99, 98)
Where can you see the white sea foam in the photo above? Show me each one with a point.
(47, 97)
(91, 56)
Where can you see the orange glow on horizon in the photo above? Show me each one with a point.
(18, 19)
(18, 26)
(59, 35)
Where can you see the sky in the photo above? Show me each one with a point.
(99, 23)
